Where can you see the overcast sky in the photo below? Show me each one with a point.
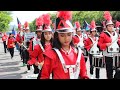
(26, 16)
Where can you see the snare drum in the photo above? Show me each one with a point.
(116, 60)
(98, 61)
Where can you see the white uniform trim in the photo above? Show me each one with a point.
(41, 46)
(94, 49)
(114, 45)
(81, 44)
(73, 74)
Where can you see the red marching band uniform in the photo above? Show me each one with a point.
(91, 46)
(70, 67)
(37, 54)
(11, 43)
(108, 43)
(4, 37)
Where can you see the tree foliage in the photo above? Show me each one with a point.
(5, 19)
(86, 15)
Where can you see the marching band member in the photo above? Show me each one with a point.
(4, 39)
(105, 43)
(79, 34)
(45, 44)
(19, 39)
(25, 46)
(81, 38)
(11, 45)
(64, 61)
(89, 43)
(34, 41)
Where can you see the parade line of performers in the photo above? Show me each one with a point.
(62, 52)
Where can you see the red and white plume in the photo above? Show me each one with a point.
(39, 21)
(46, 19)
(26, 24)
(117, 24)
(66, 15)
(107, 15)
(77, 24)
(92, 24)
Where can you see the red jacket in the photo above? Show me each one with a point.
(88, 43)
(76, 39)
(4, 38)
(37, 54)
(11, 43)
(53, 65)
(104, 38)
(19, 38)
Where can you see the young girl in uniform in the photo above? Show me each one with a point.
(44, 44)
(64, 61)
(11, 45)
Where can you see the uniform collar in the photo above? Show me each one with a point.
(66, 52)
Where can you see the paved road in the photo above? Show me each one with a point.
(11, 69)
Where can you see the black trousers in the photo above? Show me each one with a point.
(85, 54)
(11, 50)
(21, 55)
(97, 70)
(25, 56)
(109, 67)
(36, 70)
(85, 59)
(5, 46)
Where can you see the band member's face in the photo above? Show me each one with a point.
(78, 33)
(23, 30)
(11, 35)
(93, 33)
(48, 35)
(65, 38)
(110, 28)
(39, 33)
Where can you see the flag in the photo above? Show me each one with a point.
(86, 25)
(19, 23)
(13, 31)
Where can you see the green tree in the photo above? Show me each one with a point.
(5, 19)
(88, 16)
(33, 26)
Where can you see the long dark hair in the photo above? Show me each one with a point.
(56, 42)
(43, 40)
